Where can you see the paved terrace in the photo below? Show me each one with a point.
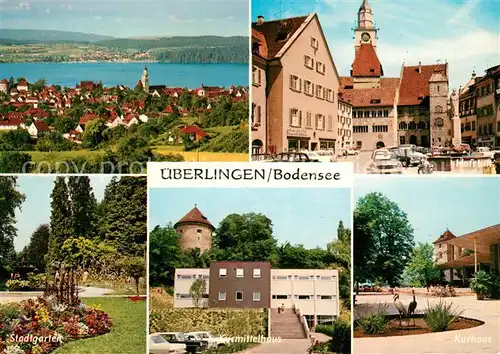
(286, 346)
(482, 339)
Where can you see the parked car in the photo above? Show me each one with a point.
(352, 152)
(405, 156)
(213, 341)
(263, 158)
(159, 345)
(192, 345)
(294, 157)
(321, 156)
(485, 152)
(384, 162)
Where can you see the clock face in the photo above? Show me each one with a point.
(365, 37)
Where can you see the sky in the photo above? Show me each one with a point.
(466, 33)
(36, 208)
(301, 216)
(461, 204)
(126, 18)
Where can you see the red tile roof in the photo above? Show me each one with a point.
(369, 97)
(168, 109)
(366, 63)
(87, 118)
(415, 85)
(23, 83)
(4, 81)
(193, 129)
(41, 125)
(194, 216)
(275, 34)
(11, 122)
(447, 235)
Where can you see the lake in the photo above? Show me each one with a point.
(111, 74)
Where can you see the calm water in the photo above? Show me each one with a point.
(112, 74)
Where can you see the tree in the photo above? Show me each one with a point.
(164, 255)
(133, 152)
(10, 200)
(126, 215)
(38, 86)
(60, 219)
(38, 247)
(15, 162)
(197, 290)
(421, 271)
(245, 237)
(135, 267)
(383, 239)
(93, 134)
(83, 207)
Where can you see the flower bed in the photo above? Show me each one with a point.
(40, 326)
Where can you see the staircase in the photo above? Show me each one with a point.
(286, 325)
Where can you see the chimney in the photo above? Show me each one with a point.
(473, 74)
(420, 67)
(260, 20)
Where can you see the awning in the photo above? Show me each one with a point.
(479, 240)
(465, 261)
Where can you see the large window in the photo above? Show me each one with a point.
(295, 118)
(256, 78)
(295, 83)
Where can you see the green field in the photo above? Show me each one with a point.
(128, 335)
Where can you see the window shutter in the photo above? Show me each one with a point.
(291, 81)
(300, 119)
(291, 117)
(300, 84)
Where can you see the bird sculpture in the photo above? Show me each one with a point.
(412, 306)
(400, 307)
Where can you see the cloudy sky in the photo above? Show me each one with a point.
(126, 18)
(466, 33)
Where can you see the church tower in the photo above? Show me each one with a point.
(365, 32)
(145, 79)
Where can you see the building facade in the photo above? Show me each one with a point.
(240, 284)
(485, 111)
(467, 108)
(195, 230)
(256, 285)
(301, 88)
(344, 123)
(444, 253)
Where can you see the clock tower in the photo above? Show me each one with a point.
(365, 32)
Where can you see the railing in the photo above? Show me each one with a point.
(303, 321)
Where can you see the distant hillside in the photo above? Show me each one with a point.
(24, 35)
(175, 42)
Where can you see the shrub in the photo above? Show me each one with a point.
(325, 329)
(15, 284)
(440, 316)
(375, 322)
(341, 337)
(481, 284)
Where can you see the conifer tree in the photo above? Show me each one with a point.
(60, 219)
(83, 207)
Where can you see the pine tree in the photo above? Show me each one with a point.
(83, 207)
(60, 219)
(125, 215)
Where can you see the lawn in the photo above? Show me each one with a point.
(202, 156)
(58, 156)
(128, 334)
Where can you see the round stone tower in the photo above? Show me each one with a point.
(195, 230)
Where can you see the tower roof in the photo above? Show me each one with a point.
(365, 6)
(447, 235)
(366, 62)
(195, 216)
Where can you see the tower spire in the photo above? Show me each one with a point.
(365, 15)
